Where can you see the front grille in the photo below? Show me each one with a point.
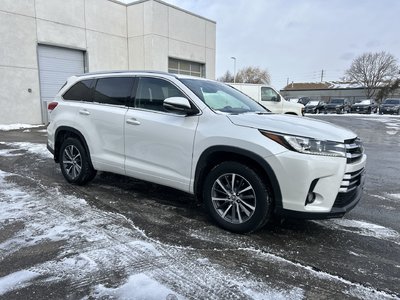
(354, 150)
(350, 187)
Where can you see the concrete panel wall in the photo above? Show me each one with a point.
(136, 53)
(60, 34)
(155, 50)
(70, 12)
(106, 16)
(17, 40)
(18, 105)
(22, 7)
(179, 30)
(135, 22)
(106, 52)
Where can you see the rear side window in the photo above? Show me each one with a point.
(80, 91)
(114, 90)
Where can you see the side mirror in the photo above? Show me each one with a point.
(178, 104)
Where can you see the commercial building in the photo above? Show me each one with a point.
(42, 42)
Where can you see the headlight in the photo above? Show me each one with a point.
(308, 145)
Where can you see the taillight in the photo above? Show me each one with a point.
(51, 106)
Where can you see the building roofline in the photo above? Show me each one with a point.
(166, 4)
(329, 89)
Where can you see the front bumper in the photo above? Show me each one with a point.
(335, 184)
(360, 110)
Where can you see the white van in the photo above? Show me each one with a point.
(270, 98)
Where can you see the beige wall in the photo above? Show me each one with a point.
(157, 31)
(114, 37)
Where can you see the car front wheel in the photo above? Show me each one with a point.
(236, 197)
(74, 162)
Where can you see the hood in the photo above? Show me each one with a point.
(361, 104)
(293, 125)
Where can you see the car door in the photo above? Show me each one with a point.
(103, 122)
(158, 143)
(271, 100)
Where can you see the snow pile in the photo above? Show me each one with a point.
(17, 126)
(363, 228)
(32, 148)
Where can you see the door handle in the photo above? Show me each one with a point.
(84, 112)
(132, 121)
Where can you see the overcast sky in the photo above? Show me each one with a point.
(296, 39)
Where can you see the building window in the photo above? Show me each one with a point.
(178, 66)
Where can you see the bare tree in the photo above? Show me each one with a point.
(253, 75)
(388, 90)
(227, 77)
(247, 75)
(371, 69)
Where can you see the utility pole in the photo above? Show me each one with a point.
(234, 69)
(322, 75)
(287, 81)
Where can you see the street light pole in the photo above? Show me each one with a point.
(234, 69)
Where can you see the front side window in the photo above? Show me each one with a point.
(152, 92)
(114, 90)
(221, 97)
(268, 94)
(80, 91)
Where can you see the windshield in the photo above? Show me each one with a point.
(221, 97)
(312, 103)
(392, 101)
(337, 101)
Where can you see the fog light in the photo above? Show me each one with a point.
(310, 198)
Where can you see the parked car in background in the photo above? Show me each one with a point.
(314, 107)
(338, 105)
(366, 106)
(269, 98)
(390, 106)
(304, 100)
(301, 100)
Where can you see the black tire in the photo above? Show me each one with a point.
(74, 162)
(242, 209)
(369, 111)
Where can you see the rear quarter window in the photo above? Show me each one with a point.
(80, 91)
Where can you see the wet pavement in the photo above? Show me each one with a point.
(120, 238)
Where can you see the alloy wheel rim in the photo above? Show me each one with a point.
(233, 198)
(72, 161)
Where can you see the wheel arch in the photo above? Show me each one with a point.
(217, 154)
(64, 132)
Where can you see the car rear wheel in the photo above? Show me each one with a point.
(74, 162)
(236, 197)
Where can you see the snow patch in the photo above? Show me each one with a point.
(9, 282)
(32, 148)
(138, 286)
(363, 228)
(9, 127)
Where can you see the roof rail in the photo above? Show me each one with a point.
(124, 72)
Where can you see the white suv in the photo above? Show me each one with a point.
(208, 139)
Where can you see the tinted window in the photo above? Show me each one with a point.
(152, 92)
(114, 90)
(80, 91)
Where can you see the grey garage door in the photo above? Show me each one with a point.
(55, 66)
